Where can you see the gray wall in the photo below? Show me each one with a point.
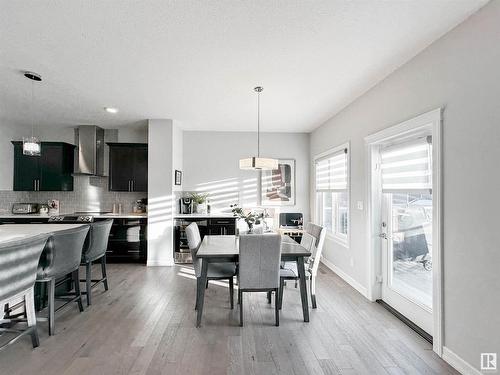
(461, 72)
(211, 163)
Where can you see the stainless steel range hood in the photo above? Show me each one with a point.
(89, 155)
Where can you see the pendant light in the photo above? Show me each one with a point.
(256, 162)
(31, 145)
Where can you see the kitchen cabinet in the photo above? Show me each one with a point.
(127, 240)
(51, 171)
(128, 167)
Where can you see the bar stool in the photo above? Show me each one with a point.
(94, 249)
(18, 266)
(61, 258)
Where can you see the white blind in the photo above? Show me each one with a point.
(407, 167)
(331, 172)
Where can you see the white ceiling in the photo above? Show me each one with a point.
(197, 61)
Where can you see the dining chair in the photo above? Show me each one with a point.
(215, 271)
(313, 240)
(61, 261)
(18, 266)
(94, 249)
(259, 267)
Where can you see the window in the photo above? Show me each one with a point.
(332, 192)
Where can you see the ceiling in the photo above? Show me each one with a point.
(198, 61)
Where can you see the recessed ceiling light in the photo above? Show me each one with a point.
(111, 109)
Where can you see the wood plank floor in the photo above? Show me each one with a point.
(145, 324)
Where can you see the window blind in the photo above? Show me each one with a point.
(407, 167)
(331, 172)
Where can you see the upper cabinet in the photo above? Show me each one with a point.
(128, 167)
(51, 171)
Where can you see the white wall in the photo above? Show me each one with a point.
(461, 72)
(211, 163)
(160, 192)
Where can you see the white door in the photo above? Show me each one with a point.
(406, 228)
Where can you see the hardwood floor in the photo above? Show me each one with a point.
(145, 324)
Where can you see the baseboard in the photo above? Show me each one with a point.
(348, 279)
(458, 363)
(159, 263)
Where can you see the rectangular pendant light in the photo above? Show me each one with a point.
(259, 163)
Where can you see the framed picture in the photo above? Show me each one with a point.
(278, 185)
(178, 177)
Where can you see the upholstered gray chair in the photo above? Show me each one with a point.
(62, 257)
(215, 271)
(312, 239)
(259, 267)
(95, 249)
(18, 265)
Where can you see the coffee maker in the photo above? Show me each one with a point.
(186, 205)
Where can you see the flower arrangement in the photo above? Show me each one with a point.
(199, 198)
(249, 216)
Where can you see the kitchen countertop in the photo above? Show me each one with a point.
(110, 215)
(203, 216)
(10, 232)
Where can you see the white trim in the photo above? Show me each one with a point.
(431, 120)
(458, 363)
(344, 276)
(160, 263)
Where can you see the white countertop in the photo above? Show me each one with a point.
(203, 216)
(17, 231)
(38, 216)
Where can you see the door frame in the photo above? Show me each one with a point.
(432, 121)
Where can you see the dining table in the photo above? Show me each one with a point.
(217, 249)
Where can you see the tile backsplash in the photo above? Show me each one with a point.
(90, 194)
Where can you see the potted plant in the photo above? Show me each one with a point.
(248, 216)
(200, 202)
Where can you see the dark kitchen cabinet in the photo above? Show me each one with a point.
(222, 226)
(128, 167)
(51, 171)
(128, 240)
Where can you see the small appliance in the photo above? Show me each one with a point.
(186, 205)
(24, 208)
(291, 220)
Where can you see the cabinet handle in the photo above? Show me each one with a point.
(37, 185)
(34, 185)
(128, 185)
(133, 185)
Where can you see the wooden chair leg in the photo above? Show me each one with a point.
(104, 274)
(240, 297)
(312, 282)
(88, 282)
(231, 292)
(282, 287)
(51, 303)
(29, 303)
(76, 279)
(276, 307)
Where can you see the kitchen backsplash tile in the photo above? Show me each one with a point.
(90, 194)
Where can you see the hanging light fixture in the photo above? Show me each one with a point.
(31, 145)
(256, 162)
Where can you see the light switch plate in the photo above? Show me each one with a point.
(359, 205)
